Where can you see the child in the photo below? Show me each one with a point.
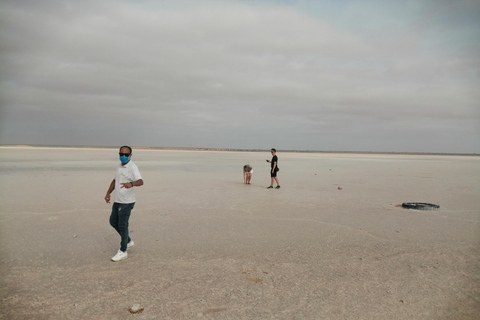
(247, 173)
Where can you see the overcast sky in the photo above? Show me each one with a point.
(349, 75)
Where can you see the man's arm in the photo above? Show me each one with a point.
(132, 184)
(137, 183)
(110, 189)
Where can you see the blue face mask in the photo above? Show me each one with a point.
(124, 159)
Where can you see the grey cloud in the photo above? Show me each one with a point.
(232, 74)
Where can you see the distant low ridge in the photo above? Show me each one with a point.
(241, 150)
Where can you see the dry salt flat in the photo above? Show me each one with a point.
(210, 247)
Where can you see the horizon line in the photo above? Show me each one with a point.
(234, 149)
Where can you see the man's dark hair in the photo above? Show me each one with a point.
(126, 147)
(273, 149)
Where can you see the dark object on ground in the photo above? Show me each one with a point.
(420, 206)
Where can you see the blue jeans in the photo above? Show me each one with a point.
(119, 221)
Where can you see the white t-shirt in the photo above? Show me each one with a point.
(126, 173)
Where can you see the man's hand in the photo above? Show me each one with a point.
(127, 185)
(107, 198)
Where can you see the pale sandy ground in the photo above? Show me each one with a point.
(210, 247)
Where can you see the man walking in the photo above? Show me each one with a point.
(127, 176)
(274, 170)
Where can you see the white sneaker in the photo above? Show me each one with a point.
(120, 256)
(130, 244)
